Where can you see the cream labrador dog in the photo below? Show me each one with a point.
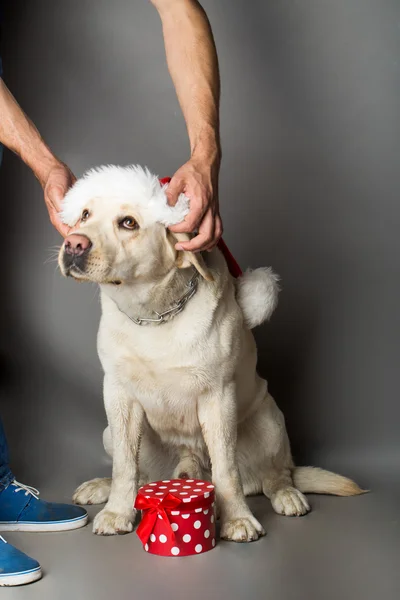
(181, 391)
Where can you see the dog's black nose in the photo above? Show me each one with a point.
(77, 244)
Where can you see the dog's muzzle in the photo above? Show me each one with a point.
(76, 251)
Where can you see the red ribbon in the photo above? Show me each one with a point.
(233, 266)
(152, 507)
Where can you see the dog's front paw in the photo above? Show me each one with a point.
(246, 529)
(95, 491)
(290, 502)
(107, 522)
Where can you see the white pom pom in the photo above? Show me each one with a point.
(257, 295)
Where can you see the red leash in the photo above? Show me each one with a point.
(233, 266)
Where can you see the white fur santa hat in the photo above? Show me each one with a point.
(132, 184)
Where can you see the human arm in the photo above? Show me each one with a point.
(193, 66)
(19, 134)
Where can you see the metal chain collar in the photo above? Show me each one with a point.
(192, 286)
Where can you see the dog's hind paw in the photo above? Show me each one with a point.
(111, 523)
(188, 468)
(95, 491)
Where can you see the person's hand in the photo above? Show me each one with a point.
(55, 185)
(198, 180)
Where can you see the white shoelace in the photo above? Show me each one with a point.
(28, 489)
(2, 539)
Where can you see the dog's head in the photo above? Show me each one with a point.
(120, 217)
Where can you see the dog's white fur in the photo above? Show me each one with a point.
(182, 398)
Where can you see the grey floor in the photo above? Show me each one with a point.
(346, 548)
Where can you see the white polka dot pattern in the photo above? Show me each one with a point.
(186, 531)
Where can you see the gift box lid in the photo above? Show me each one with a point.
(189, 492)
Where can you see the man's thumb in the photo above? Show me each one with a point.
(173, 190)
(55, 192)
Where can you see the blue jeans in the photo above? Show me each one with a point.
(6, 476)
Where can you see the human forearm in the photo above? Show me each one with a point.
(193, 65)
(19, 134)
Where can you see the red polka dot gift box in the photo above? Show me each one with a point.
(178, 517)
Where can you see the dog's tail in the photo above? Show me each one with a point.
(313, 480)
(257, 295)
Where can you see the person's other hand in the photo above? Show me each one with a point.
(198, 180)
(55, 185)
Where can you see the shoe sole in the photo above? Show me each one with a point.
(47, 526)
(14, 579)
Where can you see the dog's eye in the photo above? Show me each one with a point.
(85, 215)
(129, 223)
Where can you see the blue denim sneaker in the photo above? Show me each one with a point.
(16, 568)
(22, 510)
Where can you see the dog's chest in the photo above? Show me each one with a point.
(169, 395)
(163, 377)
(166, 377)
(170, 368)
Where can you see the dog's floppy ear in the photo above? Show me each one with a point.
(184, 259)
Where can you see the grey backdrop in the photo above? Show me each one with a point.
(309, 184)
